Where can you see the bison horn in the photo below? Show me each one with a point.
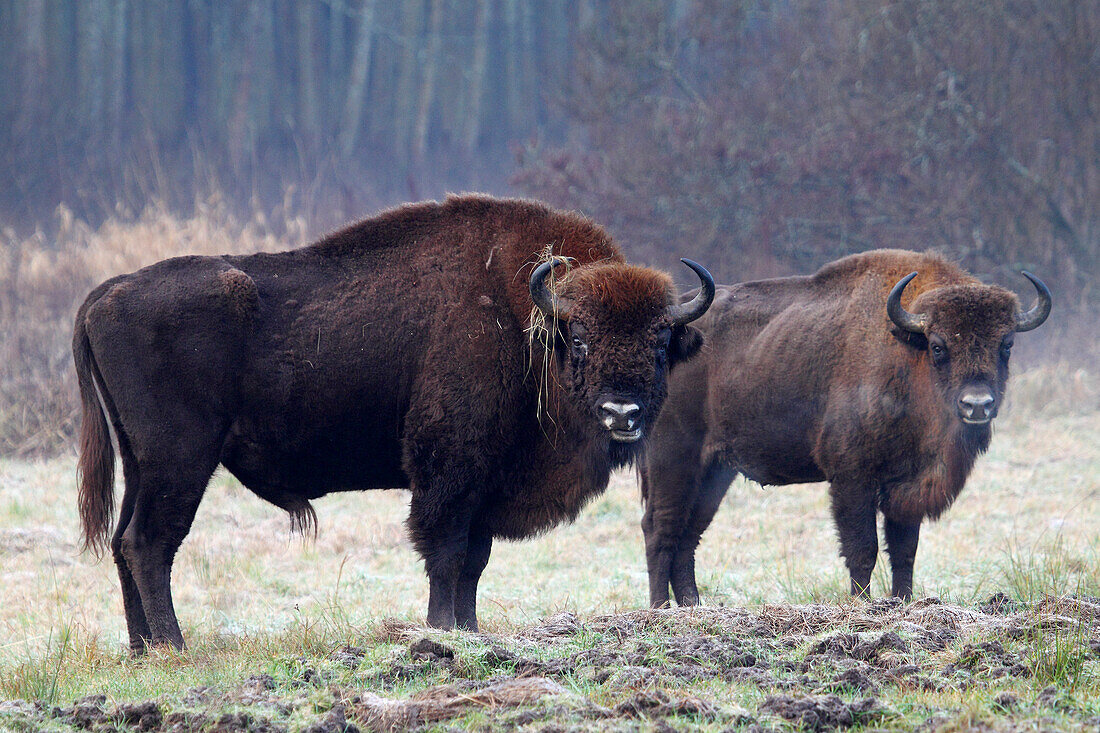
(1039, 312)
(902, 318)
(685, 313)
(553, 306)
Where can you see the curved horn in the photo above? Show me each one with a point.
(550, 304)
(685, 313)
(902, 318)
(1039, 312)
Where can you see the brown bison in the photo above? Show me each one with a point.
(394, 353)
(880, 374)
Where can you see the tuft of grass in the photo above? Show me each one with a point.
(39, 677)
(1059, 654)
(1048, 568)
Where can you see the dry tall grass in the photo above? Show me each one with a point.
(43, 280)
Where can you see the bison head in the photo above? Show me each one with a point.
(967, 331)
(615, 334)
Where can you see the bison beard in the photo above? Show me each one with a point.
(390, 354)
(831, 378)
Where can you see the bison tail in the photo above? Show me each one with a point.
(96, 467)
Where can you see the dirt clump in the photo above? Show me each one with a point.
(1053, 698)
(706, 650)
(822, 712)
(335, 721)
(198, 695)
(185, 722)
(86, 713)
(443, 702)
(349, 656)
(851, 645)
(856, 678)
(988, 659)
(558, 625)
(429, 650)
(659, 703)
(145, 716)
(243, 722)
(1000, 604)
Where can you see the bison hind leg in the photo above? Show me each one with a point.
(167, 497)
(137, 625)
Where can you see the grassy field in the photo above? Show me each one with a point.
(288, 634)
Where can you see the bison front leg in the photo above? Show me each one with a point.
(440, 532)
(673, 524)
(901, 543)
(854, 508)
(712, 489)
(477, 557)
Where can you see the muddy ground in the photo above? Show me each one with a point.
(880, 665)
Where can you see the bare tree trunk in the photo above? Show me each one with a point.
(90, 21)
(357, 83)
(33, 66)
(335, 69)
(511, 64)
(117, 111)
(523, 113)
(406, 84)
(427, 83)
(307, 74)
(472, 129)
(240, 124)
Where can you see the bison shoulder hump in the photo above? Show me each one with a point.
(240, 291)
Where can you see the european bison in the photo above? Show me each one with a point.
(880, 374)
(394, 353)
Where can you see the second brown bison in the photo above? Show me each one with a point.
(392, 354)
(880, 374)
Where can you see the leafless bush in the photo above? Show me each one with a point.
(768, 138)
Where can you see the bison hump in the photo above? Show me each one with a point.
(240, 292)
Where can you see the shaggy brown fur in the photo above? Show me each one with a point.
(390, 354)
(808, 379)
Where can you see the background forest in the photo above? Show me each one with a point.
(761, 138)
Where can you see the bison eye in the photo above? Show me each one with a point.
(938, 351)
(1006, 350)
(579, 346)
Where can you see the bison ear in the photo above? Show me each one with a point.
(686, 342)
(916, 341)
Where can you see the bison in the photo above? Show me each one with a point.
(392, 354)
(880, 374)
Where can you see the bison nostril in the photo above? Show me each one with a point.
(977, 406)
(619, 414)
